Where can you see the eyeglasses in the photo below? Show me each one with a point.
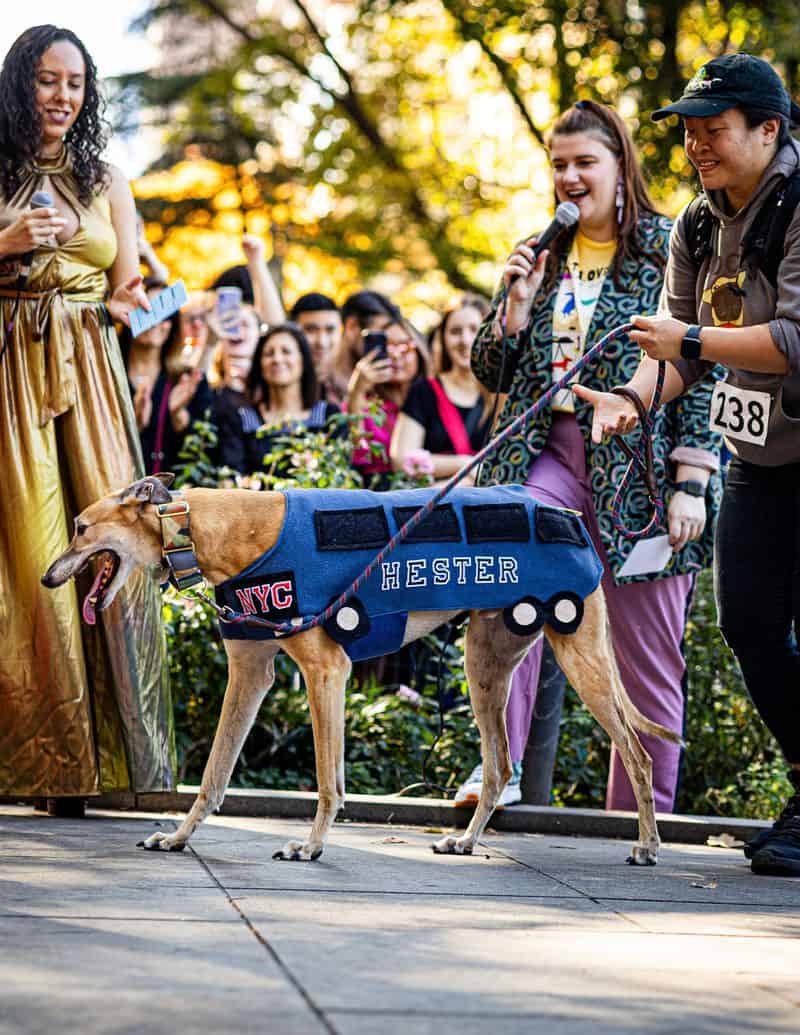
(398, 349)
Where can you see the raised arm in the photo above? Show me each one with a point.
(125, 281)
(268, 303)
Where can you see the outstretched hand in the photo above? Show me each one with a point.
(613, 414)
(127, 297)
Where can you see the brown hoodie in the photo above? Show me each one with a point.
(705, 300)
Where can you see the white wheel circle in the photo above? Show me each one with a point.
(347, 618)
(565, 611)
(524, 614)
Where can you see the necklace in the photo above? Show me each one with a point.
(56, 164)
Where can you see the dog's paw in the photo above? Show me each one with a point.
(298, 851)
(161, 842)
(642, 855)
(453, 846)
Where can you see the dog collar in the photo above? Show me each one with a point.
(177, 547)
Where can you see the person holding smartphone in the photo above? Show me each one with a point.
(179, 395)
(447, 415)
(394, 358)
(735, 301)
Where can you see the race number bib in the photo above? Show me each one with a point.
(739, 413)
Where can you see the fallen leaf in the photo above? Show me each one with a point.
(723, 841)
(392, 840)
(433, 830)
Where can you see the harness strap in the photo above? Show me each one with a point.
(177, 545)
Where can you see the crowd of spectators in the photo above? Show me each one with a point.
(231, 356)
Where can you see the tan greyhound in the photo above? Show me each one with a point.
(230, 529)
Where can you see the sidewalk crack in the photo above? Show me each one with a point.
(270, 949)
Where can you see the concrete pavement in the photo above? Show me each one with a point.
(537, 933)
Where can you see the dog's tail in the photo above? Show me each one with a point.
(645, 725)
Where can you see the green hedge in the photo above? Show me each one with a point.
(731, 765)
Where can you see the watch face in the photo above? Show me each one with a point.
(690, 347)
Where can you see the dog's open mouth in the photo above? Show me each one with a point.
(93, 601)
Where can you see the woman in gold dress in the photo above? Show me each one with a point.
(84, 709)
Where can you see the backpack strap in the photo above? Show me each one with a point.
(700, 225)
(764, 243)
(451, 420)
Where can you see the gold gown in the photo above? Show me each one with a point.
(83, 709)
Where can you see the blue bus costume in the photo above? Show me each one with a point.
(480, 548)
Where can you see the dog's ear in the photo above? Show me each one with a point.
(152, 489)
(166, 478)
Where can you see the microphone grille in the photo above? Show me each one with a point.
(567, 213)
(41, 199)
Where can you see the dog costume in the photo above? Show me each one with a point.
(488, 548)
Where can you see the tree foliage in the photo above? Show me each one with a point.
(405, 138)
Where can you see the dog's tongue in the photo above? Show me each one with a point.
(87, 610)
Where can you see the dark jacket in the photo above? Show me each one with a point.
(241, 443)
(692, 296)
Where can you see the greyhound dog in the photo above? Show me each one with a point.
(230, 530)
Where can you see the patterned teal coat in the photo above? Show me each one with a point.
(528, 374)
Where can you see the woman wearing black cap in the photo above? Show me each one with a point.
(732, 292)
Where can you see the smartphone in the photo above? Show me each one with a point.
(162, 306)
(375, 341)
(229, 310)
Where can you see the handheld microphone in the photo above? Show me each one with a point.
(39, 199)
(567, 214)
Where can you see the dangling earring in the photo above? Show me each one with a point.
(620, 200)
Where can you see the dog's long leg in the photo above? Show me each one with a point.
(250, 675)
(587, 659)
(491, 655)
(326, 668)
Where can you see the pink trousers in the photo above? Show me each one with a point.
(647, 626)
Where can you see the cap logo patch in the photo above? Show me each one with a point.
(701, 82)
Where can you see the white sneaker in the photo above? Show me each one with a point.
(470, 791)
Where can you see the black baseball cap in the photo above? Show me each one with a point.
(732, 81)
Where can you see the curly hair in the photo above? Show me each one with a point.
(20, 125)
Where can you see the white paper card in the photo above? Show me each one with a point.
(648, 556)
(162, 306)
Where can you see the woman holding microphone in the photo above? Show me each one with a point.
(86, 705)
(590, 281)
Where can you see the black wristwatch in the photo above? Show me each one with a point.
(691, 344)
(691, 488)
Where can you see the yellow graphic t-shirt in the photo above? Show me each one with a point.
(580, 287)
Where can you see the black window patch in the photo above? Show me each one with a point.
(363, 529)
(440, 526)
(558, 526)
(497, 523)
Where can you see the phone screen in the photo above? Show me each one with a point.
(228, 308)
